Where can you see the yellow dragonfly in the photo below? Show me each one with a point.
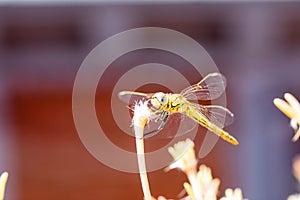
(212, 117)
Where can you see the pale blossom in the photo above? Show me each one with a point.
(294, 197)
(296, 172)
(184, 155)
(3, 180)
(231, 194)
(201, 185)
(185, 160)
(291, 108)
(296, 168)
(207, 185)
(141, 117)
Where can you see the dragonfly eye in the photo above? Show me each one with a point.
(162, 100)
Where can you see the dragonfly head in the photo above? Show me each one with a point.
(159, 99)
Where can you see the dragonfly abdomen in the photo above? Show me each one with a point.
(194, 114)
(223, 134)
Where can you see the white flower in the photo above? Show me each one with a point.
(140, 118)
(3, 180)
(296, 167)
(201, 184)
(294, 197)
(291, 108)
(184, 155)
(233, 194)
(207, 185)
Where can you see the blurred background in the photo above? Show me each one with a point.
(255, 45)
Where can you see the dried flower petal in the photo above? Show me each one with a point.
(3, 180)
(201, 186)
(233, 194)
(296, 135)
(294, 103)
(209, 186)
(184, 155)
(291, 108)
(189, 190)
(296, 167)
(294, 197)
(141, 114)
(284, 107)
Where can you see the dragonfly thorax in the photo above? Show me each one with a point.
(167, 102)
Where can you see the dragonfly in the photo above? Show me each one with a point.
(212, 117)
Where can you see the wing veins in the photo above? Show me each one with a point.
(216, 114)
(210, 87)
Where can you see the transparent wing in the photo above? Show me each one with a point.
(177, 125)
(130, 97)
(210, 87)
(217, 115)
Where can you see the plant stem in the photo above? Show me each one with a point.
(140, 119)
(142, 168)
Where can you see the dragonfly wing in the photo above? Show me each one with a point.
(177, 125)
(217, 115)
(130, 97)
(210, 87)
(186, 125)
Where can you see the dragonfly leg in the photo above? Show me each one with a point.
(161, 116)
(161, 126)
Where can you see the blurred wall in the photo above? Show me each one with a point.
(255, 45)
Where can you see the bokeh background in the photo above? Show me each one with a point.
(255, 45)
